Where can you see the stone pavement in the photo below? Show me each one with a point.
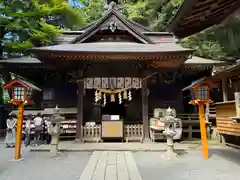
(224, 163)
(132, 146)
(41, 166)
(111, 165)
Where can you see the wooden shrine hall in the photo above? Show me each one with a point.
(113, 69)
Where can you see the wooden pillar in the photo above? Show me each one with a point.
(80, 94)
(145, 110)
(224, 89)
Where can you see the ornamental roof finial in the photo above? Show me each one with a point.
(112, 4)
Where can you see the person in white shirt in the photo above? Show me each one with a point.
(48, 137)
(28, 130)
(38, 122)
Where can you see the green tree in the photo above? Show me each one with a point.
(152, 13)
(92, 10)
(27, 23)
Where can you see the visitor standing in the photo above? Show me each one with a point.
(10, 139)
(28, 130)
(48, 135)
(38, 123)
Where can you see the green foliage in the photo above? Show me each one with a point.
(153, 13)
(37, 22)
(221, 42)
(204, 48)
(27, 23)
(92, 9)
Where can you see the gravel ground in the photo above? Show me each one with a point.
(41, 166)
(224, 164)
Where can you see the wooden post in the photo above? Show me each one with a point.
(203, 131)
(224, 89)
(80, 94)
(17, 153)
(145, 110)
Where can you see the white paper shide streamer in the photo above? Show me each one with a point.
(120, 98)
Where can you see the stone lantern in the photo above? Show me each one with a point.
(55, 129)
(169, 130)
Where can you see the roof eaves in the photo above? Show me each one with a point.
(21, 60)
(24, 81)
(194, 83)
(187, 4)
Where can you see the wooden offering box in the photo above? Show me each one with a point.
(112, 128)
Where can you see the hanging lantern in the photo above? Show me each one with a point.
(120, 98)
(112, 98)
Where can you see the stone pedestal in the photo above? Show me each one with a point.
(54, 145)
(170, 153)
(55, 130)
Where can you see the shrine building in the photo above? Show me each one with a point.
(113, 66)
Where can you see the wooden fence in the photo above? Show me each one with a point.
(134, 132)
(91, 133)
(190, 125)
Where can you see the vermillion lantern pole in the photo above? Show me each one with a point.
(203, 130)
(17, 153)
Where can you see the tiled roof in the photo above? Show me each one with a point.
(199, 60)
(111, 47)
(21, 60)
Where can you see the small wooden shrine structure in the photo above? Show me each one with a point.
(226, 100)
(112, 66)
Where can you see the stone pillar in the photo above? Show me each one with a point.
(145, 110)
(224, 89)
(80, 94)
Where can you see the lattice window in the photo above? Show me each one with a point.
(19, 93)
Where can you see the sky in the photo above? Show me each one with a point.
(74, 3)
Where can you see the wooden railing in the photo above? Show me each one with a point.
(134, 132)
(190, 125)
(210, 111)
(91, 133)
